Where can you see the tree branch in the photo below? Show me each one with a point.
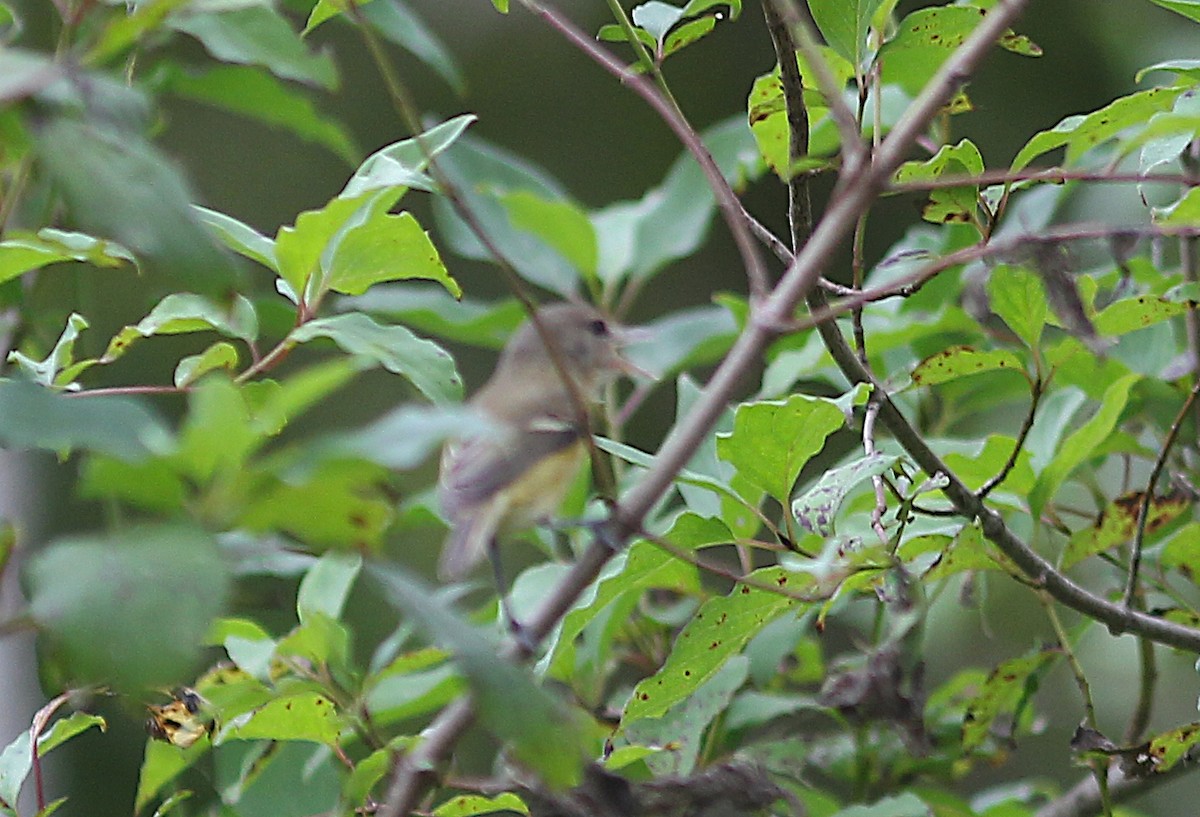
(837, 222)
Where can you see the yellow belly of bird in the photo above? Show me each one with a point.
(537, 494)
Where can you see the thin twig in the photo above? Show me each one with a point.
(1036, 389)
(1084, 798)
(804, 39)
(1147, 680)
(869, 416)
(838, 221)
(1135, 555)
(1050, 175)
(727, 202)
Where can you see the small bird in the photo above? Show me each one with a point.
(517, 473)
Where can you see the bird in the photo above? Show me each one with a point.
(516, 473)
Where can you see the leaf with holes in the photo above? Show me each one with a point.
(816, 508)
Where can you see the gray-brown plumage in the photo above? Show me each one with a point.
(518, 472)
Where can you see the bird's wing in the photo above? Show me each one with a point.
(475, 469)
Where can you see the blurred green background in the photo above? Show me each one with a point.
(537, 96)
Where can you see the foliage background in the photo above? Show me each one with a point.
(537, 95)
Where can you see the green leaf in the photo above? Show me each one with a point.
(397, 22)
(66, 728)
(1003, 691)
(220, 355)
(817, 507)
(1183, 213)
(1183, 68)
(845, 24)
(34, 417)
(307, 716)
(406, 436)
(117, 185)
(682, 729)
(767, 115)
(901, 805)
(367, 772)
(772, 440)
(927, 37)
(239, 237)
(184, 312)
(468, 805)
(683, 36)
(386, 247)
(559, 223)
(719, 630)
(1170, 747)
(637, 239)
(1017, 296)
(8, 543)
(220, 431)
(398, 694)
(1188, 8)
(1079, 446)
(957, 205)
(1082, 132)
(162, 764)
(339, 503)
(434, 311)
(152, 484)
(258, 35)
(428, 366)
(1130, 314)
(1117, 524)
(684, 338)
(401, 164)
(129, 608)
(656, 18)
(257, 95)
(484, 174)
(544, 734)
(644, 565)
(975, 469)
(300, 249)
(16, 760)
(23, 252)
(47, 371)
(327, 584)
(963, 361)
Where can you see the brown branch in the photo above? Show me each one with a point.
(854, 199)
(1135, 555)
(767, 317)
(1084, 798)
(727, 202)
(1052, 175)
(1036, 396)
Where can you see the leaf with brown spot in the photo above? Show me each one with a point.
(963, 361)
(1117, 524)
(706, 644)
(1007, 689)
(1170, 747)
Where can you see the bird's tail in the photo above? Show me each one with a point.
(467, 544)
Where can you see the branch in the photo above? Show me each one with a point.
(727, 201)
(840, 218)
(1083, 799)
(767, 318)
(1051, 175)
(1135, 555)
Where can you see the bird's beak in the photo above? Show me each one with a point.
(629, 336)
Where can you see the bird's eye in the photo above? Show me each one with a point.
(598, 327)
